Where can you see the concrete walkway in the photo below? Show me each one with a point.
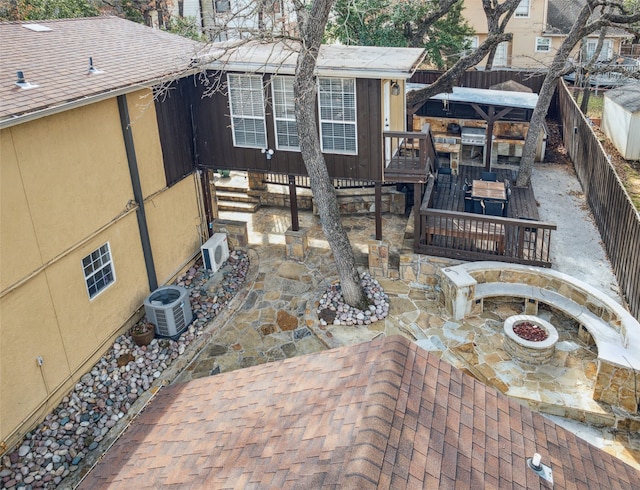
(278, 320)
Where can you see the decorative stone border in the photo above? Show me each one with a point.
(526, 350)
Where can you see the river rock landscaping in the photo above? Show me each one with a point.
(332, 309)
(54, 449)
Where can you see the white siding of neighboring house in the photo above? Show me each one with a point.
(191, 8)
(241, 18)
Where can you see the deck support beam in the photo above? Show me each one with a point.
(378, 205)
(293, 204)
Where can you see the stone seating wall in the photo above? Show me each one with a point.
(614, 330)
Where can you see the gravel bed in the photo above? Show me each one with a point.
(333, 310)
(54, 449)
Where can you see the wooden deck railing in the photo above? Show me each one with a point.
(302, 181)
(469, 236)
(408, 156)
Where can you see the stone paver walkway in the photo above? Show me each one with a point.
(278, 320)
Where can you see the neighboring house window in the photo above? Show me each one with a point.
(473, 42)
(246, 101)
(98, 270)
(500, 59)
(337, 103)
(222, 6)
(284, 113)
(543, 44)
(522, 10)
(605, 54)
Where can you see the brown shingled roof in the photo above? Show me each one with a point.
(383, 414)
(57, 60)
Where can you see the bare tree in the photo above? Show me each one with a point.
(498, 16)
(586, 71)
(591, 18)
(447, 80)
(311, 23)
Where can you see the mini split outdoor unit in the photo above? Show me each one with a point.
(215, 251)
(169, 309)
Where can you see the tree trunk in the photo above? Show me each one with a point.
(586, 95)
(535, 126)
(490, 57)
(312, 24)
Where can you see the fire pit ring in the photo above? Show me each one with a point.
(530, 352)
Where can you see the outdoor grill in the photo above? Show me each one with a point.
(473, 136)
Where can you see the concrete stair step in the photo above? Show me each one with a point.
(235, 196)
(242, 207)
(231, 186)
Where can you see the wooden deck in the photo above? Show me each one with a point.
(522, 203)
(445, 229)
(410, 157)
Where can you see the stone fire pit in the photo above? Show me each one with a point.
(529, 351)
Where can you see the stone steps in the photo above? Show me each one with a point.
(234, 198)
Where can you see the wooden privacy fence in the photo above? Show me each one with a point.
(615, 215)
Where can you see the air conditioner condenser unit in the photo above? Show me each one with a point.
(169, 309)
(215, 251)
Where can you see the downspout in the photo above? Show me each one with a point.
(204, 174)
(127, 135)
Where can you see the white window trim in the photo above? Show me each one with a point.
(353, 123)
(234, 115)
(286, 119)
(538, 45)
(90, 275)
(522, 15)
(606, 52)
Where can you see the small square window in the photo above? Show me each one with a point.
(543, 44)
(222, 6)
(98, 270)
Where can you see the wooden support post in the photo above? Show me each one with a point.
(488, 145)
(418, 189)
(293, 204)
(378, 211)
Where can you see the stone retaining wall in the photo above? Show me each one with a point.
(237, 234)
(350, 201)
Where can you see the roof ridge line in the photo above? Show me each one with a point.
(364, 462)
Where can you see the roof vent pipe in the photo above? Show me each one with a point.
(93, 69)
(22, 81)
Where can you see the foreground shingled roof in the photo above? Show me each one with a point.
(382, 414)
(57, 60)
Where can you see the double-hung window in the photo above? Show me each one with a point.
(284, 113)
(337, 104)
(246, 102)
(605, 53)
(522, 10)
(543, 44)
(98, 270)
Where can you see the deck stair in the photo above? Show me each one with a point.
(234, 197)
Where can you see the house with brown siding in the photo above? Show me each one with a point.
(94, 213)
